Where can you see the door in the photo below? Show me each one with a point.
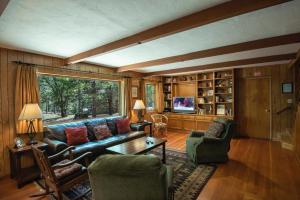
(254, 107)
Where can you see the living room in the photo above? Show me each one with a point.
(149, 99)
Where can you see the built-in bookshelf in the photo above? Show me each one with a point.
(214, 93)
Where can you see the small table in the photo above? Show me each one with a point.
(23, 175)
(140, 126)
(140, 146)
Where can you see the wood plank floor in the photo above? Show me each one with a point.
(257, 170)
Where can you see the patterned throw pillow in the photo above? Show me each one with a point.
(102, 131)
(76, 135)
(215, 129)
(123, 125)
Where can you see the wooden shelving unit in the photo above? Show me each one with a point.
(214, 95)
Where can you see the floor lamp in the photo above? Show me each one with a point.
(31, 112)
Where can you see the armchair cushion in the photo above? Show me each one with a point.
(215, 129)
(63, 172)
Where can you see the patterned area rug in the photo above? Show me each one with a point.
(189, 180)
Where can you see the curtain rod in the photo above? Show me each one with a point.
(67, 69)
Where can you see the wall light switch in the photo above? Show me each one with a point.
(290, 101)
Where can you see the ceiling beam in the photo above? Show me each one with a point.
(3, 5)
(227, 64)
(246, 46)
(203, 17)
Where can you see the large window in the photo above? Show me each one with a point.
(150, 96)
(65, 99)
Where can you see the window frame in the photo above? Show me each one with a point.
(154, 96)
(119, 82)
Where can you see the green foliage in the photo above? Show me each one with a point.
(65, 96)
(150, 96)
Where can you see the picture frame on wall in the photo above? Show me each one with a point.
(134, 92)
(287, 88)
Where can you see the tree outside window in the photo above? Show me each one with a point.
(150, 96)
(65, 98)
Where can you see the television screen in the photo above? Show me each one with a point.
(184, 104)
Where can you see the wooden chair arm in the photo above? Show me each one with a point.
(70, 148)
(85, 155)
(166, 118)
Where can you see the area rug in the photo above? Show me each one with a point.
(189, 180)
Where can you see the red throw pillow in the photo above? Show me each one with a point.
(123, 125)
(76, 135)
(102, 131)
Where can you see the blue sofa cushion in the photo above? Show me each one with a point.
(111, 123)
(57, 131)
(91, 123)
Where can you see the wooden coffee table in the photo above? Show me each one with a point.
(140, 146)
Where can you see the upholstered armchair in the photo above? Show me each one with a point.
(204, 148)
(160, 123)
(140, 177)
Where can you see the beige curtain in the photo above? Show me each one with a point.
(27, 91)
(127, 107)
(159, 97)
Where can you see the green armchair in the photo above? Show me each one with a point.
(202, 148)
(139, 177)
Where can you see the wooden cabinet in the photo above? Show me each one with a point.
(188, 122)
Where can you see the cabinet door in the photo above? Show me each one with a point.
(203, 125)
(174, 123)
(188, 125)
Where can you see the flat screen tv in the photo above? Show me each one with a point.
(184, 104)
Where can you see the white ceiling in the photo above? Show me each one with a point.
(284, 49)
(66, 27)
(274, 21)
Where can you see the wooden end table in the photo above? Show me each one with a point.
(27, 174)
(140, 146)
(140, 126)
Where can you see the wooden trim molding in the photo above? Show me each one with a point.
(3, 5)
(203, 17)
(246, 46)
(227, 64)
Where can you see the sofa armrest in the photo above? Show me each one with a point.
(55, 146)
(196, 134)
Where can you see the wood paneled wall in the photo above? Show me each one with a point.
(278, 75)
(7, 97)
(7, 90)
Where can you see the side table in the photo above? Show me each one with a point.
(141, 126)
(27, 174)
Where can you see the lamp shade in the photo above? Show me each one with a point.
(139, 105)
(31, 111)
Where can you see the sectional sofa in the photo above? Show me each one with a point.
(55, 137)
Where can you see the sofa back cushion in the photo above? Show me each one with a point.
(102, 132)
(123, 125)
(57, 131)
(76, 135)
(91, 124)
(215, 129)
(111, 123)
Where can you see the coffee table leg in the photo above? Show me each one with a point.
(164, 153)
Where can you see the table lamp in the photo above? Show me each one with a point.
(31, 112)
(139, 106)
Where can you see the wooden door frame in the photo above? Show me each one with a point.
(270, 100)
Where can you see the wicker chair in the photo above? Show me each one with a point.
(160, 123)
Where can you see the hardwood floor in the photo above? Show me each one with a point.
(257, 170)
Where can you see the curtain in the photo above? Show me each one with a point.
(159, 97)
(27, 91)
(127, 107)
